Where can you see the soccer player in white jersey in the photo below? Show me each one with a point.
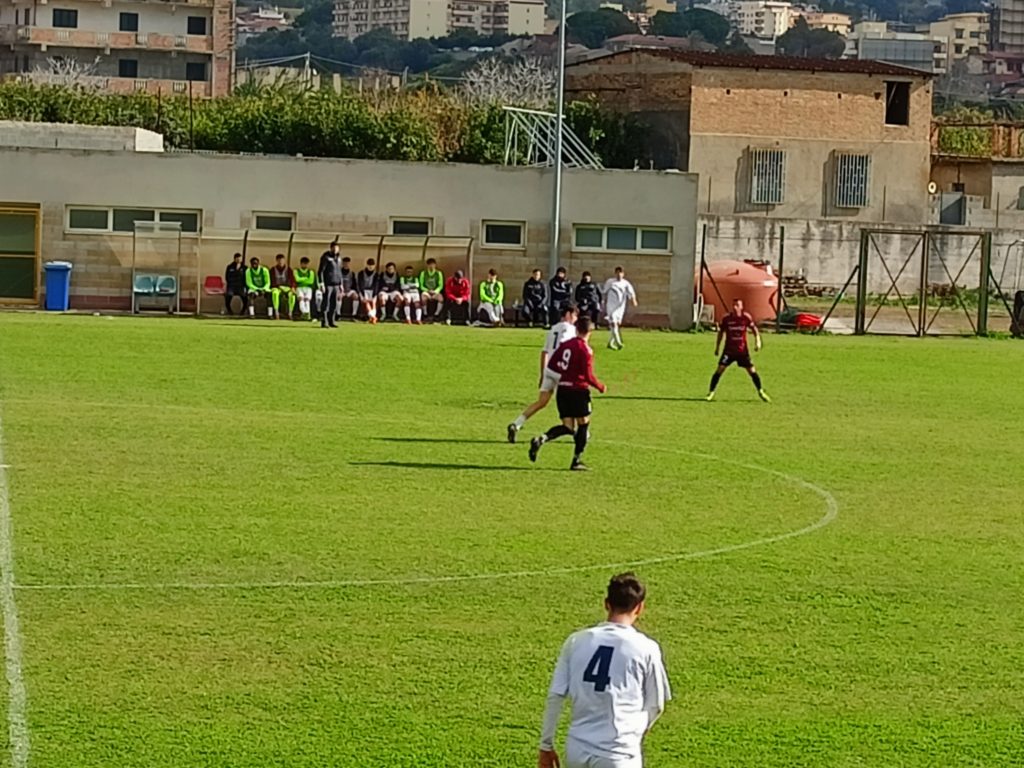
(558, 333)
(618, 291)
(614, 676)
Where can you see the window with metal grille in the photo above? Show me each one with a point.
(767, 176)
(853, 181)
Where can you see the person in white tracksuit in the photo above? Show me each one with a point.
(618, 292)
(616, 680)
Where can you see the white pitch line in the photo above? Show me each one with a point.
(17, 717)
(831, 512)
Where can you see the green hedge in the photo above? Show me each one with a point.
(423, 125)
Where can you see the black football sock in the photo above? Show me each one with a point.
(757, 381)
(556, 432)
(581, 440)
(714, 380)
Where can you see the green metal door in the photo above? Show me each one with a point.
(19, 255)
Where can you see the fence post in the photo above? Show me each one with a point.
(986, 267)
(779, 302)
(862, 284)
(922, 299)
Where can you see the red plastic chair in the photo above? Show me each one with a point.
(214, 285)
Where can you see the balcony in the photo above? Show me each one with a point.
(200, 89)
(77, 38)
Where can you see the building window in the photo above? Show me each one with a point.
(129, 22)
(65, 18)
(92, 219)
(616, 238)
(767, 176)
(411, 227)
(897, 103)
(278, 222)
(195, 70)
(958, 48)
(127, 68)
(959, 33)
(853, 181)
(196, 25)
(508, 234)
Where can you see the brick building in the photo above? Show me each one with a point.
(775, 136)
(132, 46)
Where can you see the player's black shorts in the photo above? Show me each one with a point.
(573, 403)
(743, 361)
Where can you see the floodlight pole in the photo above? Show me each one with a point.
(556, 212)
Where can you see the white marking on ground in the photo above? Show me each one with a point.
(831, 512)
(17, 717)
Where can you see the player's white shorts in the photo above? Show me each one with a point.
(577, 757)
(411, 296)
(549, 382)
(616, 315)
(304, 292)
(390, 295)
(369, 295)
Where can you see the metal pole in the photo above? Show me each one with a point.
(922, 307)
(556, 206)
(779, 298)
(983, 288)
(862, 285)
(191, 121)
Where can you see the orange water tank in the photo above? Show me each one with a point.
(754, 283)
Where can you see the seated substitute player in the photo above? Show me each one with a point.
(617, 292)
(457, 291)
(573, 361)
(615, 679)
(588, 298)
(387, 291)
(366, 284)
(305, 286)
(492, 300)
(560, 333)
(535, 300)
(432, 288)
(733, 328)
(559, 294)
(348, 288)
(410, 285)
(257, 283)
(282, 281)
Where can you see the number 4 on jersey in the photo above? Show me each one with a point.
(597, 668)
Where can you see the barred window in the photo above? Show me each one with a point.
(767, 176)
(853, 181)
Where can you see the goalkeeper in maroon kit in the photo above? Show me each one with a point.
(573, 363)
(733, 329)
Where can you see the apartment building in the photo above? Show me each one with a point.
(410, 19)
(879, 41)
(964, 34)
(839, 23)
(1008, 26)
(774, 136)
(123, 45)
(763, 19)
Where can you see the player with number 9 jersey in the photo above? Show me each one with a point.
(614, 677)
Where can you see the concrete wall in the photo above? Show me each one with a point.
(70, 136)
(348, 196)
(154, 18)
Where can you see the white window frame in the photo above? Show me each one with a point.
(484, 243)
(640, 229)
(849, 166)
(110, 218)
(279, 214)
(767, 165)
(417, 219)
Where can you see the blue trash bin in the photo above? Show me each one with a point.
(58, 286)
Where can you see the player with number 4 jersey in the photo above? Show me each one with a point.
(616, 682)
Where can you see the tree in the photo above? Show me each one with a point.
(800, 40)
(592, 28)
(521, 83)
(736, 45)
(711, 26)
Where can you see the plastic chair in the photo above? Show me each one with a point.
(145, 285)
(214, 285)
(166, 285)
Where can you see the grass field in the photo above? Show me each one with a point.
(231, 545)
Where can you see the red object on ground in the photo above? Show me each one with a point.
(807, 322)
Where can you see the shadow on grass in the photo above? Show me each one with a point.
(444, 465)
(453, 440)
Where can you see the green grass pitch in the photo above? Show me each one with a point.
(255, 457)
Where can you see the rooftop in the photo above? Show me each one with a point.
(792, 63)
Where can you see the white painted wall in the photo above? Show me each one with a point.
(154, 18)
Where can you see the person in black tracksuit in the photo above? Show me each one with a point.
(234, 284)
(535, 300)
(329, 277)
(588, 298)
(559, 295)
